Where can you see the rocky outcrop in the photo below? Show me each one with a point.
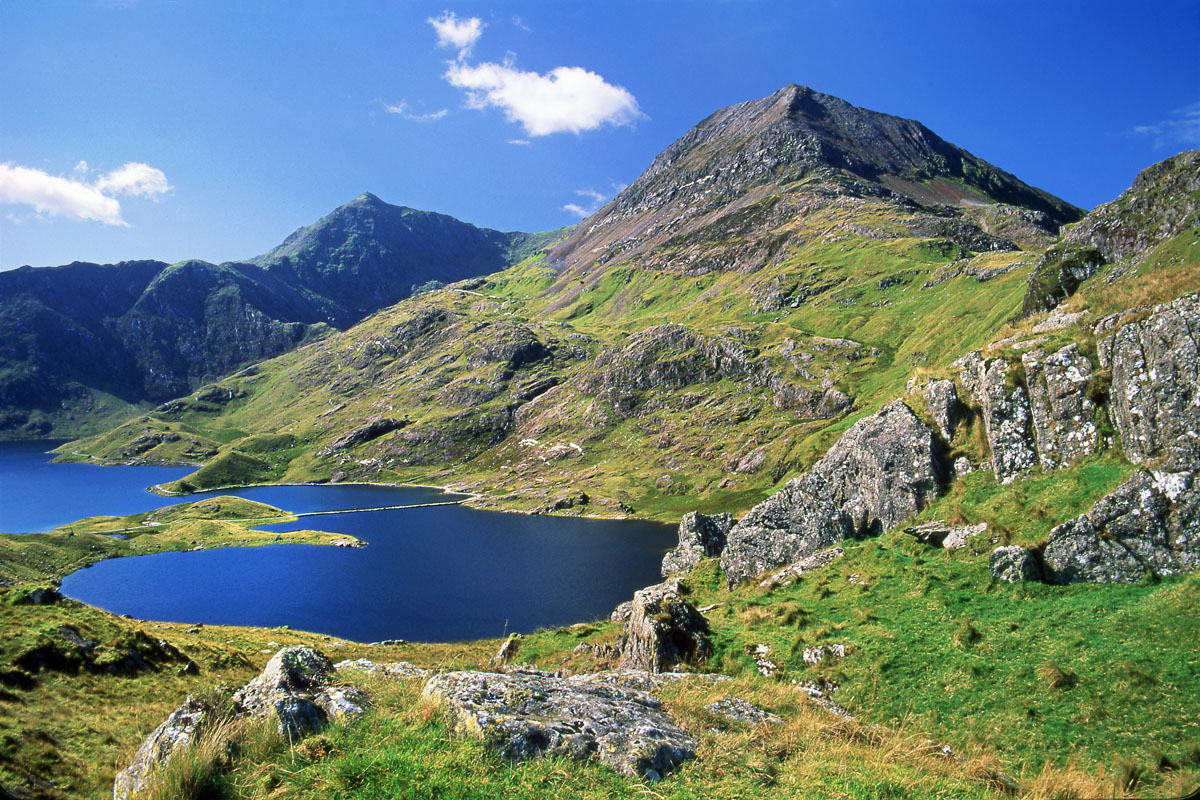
(1155, 396)
(883, 470)
(180, 730)
(700, 536)
(737, 710)
(365, 433)
(950, 537)
(1150, 525)
(531, 714)
(1063, 413)
(1012, 564)
(1006, 416)
(661, 630)
(791, 524)
(941, 398)
(794, 572)
(294, 689)
(395, 669)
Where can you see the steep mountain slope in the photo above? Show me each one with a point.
(696, 341)
(85, 345)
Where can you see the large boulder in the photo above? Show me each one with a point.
(662, 630)
(1063, 413)
(1012, 563)
(700, 536)
(882, 471)
(1150, 525)
(941, 398)
(1155, 397)
(788, 526)
(178, 731)
(529, 715)
(294, 688)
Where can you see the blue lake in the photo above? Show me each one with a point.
(428, 574)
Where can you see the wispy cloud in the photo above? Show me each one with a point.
(458, 34)
(563, 100)
(1181, 127)
(75, 198)
(404, 110)
(520, 142)
(596, 201)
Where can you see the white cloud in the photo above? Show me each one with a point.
(1181, 127)
(597, 201)
(566, 99)
(460, 35)
(404, 110)
(520, 142)
(139, 180)
(55, 195)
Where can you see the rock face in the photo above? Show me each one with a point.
(1006, 414)
(1063, 413)
(529, 715)
(700, 536)
(1013, 563)
(294, 688)
(1148, 525)
(791, 524)
(883, 470)
(1156, 385)
(941, 398)
(178, 731)
(662, 630)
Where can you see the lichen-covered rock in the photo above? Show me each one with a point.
(178, 731)
(1006, 415)
(397, 669)
(294, 688)
(1155, 396)
(788, 526)
(700, 536)
(645, 681)
(1063, 413)
(941, 399)
(506, 653)
(522, 716)
(1148, 525)
(884, 469)
(735, 709)
(941, 534)
(663, 629)
(1013, 563)
(793, 572)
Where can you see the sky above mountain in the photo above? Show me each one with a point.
(171, 130)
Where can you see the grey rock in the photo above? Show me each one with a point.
(793, 572)
(796, 522)
(523, 716)
(735, 709)
(941, 399)
(963, 466)
(622, 612)
(663, 629)
(178, 731)
(396, 669)
(882, 470)
(1156, 383)
(700, 536)
(759, 652)
(294, 689)
(940, 534)
(506, 653)
(1150, 525)
(645, 681)
(815, 655)
(1013, 563)
(1063, 413)
(1006, 417)
(41, 596)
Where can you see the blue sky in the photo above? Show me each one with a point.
(171, 130)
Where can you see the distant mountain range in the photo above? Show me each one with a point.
(84, 345)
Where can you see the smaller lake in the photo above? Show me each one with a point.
(443, 573)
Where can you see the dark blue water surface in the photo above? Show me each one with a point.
(36, 495)
(428, 574)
